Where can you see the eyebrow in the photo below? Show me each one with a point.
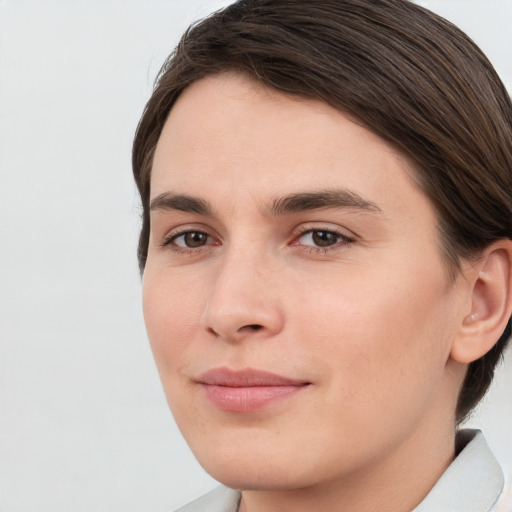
(337, 198)
(182, 203)
(293, 203)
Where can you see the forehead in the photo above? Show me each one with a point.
(230, 134)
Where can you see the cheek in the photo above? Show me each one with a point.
(384, 341)
(170, 314)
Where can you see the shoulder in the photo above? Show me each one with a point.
(220, 499)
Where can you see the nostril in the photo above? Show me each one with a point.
(255, 327)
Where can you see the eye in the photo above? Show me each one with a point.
(190, 239)
(322, 238)
(319, 238)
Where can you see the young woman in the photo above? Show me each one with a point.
(326, 249)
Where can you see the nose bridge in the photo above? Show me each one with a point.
(243, 296)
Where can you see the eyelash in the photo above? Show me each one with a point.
(171, 238)
(343, 240)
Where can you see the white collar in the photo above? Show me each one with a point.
(472, 483)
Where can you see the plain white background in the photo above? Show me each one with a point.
(83, 421)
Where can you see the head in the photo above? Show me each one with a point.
(408, 79)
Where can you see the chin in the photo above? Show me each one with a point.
(245, 464)
(256, 476)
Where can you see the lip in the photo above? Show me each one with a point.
(248, 390)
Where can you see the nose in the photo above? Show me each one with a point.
(244, 299)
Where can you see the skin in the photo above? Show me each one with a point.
(368, 321)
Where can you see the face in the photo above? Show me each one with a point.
(296, 298)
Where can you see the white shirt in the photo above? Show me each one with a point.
(472, 483)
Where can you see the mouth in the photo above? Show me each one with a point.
(249, 390)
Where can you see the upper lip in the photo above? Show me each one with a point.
(248, 377)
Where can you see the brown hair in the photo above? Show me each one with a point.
(405, 73)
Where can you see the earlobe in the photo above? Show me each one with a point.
(491, 304)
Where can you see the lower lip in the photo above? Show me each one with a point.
(248, 399)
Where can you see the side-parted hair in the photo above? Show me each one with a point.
(406, 74)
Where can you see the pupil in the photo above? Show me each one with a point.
(195, 239)
(324, 238)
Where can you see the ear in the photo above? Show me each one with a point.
(490, 306)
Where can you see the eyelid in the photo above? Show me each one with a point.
(309, 227)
